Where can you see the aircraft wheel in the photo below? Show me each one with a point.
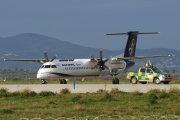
(63, 81)
(60, 81)
(115, 81)
(43, 82)
(133, 80)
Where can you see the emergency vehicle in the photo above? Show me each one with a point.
(148, 73)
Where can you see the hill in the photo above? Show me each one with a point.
(30, 45)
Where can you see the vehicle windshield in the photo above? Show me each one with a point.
(158, 70)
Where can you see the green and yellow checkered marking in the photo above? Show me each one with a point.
(141, 75)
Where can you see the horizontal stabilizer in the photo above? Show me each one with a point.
(135, 32)
(144, 57)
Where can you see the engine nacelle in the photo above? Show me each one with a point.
(116, 64)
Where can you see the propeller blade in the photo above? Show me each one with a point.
(46, 56)
(94, 58)
(100, 53)
(106, 67)
(107, 59)
(54, 58)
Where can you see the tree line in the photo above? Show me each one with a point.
(8, 74)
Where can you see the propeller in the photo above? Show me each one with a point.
(47, 59)
(101, 62)
(46, 56)
(55, 56)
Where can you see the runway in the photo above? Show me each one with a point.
(84, 88)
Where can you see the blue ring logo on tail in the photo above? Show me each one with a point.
(132, 47)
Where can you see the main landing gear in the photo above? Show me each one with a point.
(63, 81)
(115, 81)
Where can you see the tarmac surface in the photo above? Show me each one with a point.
(84, 88)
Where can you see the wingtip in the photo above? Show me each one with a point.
(171, 55)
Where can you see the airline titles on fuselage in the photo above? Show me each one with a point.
(75, 66)
(68, 64)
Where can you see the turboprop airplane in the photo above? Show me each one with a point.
(61, 69)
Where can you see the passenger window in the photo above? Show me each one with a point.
(53, 66)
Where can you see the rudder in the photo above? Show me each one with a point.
(130, 48)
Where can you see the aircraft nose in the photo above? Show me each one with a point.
(40, 75)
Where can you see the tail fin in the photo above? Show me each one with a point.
(130, 48)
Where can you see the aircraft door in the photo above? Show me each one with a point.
(61, 68)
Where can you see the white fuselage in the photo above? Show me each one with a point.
(78, 68)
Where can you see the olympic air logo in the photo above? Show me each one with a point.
(132, 47)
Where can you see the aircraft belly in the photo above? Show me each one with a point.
(83, 72)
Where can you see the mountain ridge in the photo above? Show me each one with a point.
(32, 45)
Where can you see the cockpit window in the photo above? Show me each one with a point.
(47, 66)
(42, 66)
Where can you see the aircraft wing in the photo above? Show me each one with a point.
(144, 57)
(42, 61)
(28, 60)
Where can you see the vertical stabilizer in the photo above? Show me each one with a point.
(130, 48)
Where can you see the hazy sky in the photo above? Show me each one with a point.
(85, 22)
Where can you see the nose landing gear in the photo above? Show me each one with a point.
(43, 81)
(114, 80)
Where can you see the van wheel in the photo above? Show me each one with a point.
(133, 80)
(157, 81)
